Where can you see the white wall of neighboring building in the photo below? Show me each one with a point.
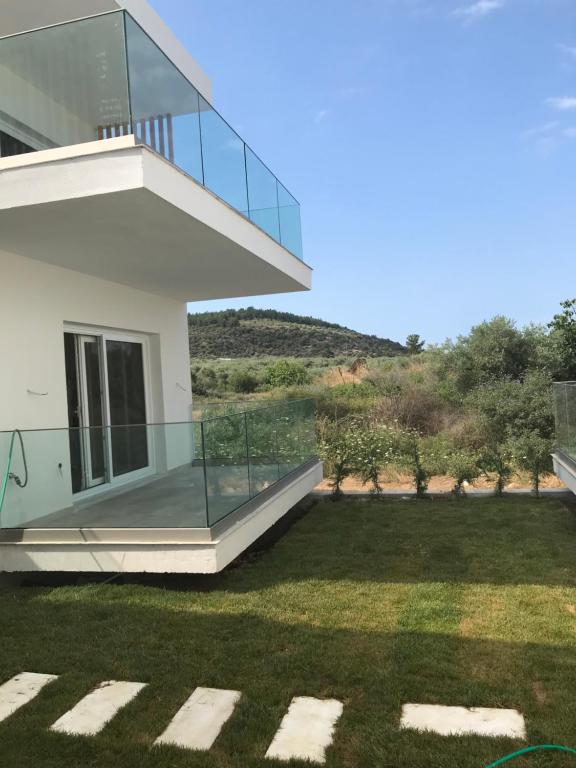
(37, 301)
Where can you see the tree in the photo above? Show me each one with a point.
(497, 459)
(563, 327)
(532, 453)
(510, 408)
(414, 344)
(413, 458)
(492, 351)
(357, 365)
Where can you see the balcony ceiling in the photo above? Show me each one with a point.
(127, 216)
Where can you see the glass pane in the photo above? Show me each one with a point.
(173, 497)
(287, 426)
(245, 454)
(73, 395)
(262, 195)
(165, 106)
(224, 163)
(64, 85)
(227, 470)
(94, 407)
(290, 225)
(262, 449)
(127, 402)
(570, 405)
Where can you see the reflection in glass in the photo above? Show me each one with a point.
(262, 195)
(127, 402)
(165, 106)
(64, 85)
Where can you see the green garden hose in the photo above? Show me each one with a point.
(526, 750)
(9, 475)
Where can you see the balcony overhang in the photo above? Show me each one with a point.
(115, 210)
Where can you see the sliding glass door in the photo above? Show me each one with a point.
(106, 387)
(127, 404)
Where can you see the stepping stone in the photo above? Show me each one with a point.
(459, 721)
(306, 730)
(20, 690)
(96, 709)
(199, 721)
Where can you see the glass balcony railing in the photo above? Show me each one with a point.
(185, 475)
(565, 413)
(104, 77)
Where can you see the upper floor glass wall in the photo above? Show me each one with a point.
(61, 85)
(104, 77)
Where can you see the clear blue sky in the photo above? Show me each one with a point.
(432, 144)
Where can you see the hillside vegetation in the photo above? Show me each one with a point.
(266, 332)
(475, 410)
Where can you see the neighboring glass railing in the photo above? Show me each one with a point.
(104, 77)
(565, 413)
(184, 475)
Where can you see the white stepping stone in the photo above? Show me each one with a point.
(199, 721)
(459, 721)
(96, 709)
(306, 730)
(20, 690)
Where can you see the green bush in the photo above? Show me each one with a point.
(464, 467)
(243, 382)
(286, 373)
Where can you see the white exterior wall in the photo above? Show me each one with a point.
(36, 301)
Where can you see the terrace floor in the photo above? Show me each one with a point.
(174, 500)
(375, 604)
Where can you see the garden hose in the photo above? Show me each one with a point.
(526, 750)
(10, 475)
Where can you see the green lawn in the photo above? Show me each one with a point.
(375, 603)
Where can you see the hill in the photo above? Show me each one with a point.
(257, 332)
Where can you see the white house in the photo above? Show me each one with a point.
(124, 195)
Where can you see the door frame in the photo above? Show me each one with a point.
(103, 335)
(85, 442)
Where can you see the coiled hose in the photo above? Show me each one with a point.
(10, 475)
(526, 750)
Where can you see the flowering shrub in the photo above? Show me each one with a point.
(372, 448)
(336, 449)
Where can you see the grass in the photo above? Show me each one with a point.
(376, 603)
